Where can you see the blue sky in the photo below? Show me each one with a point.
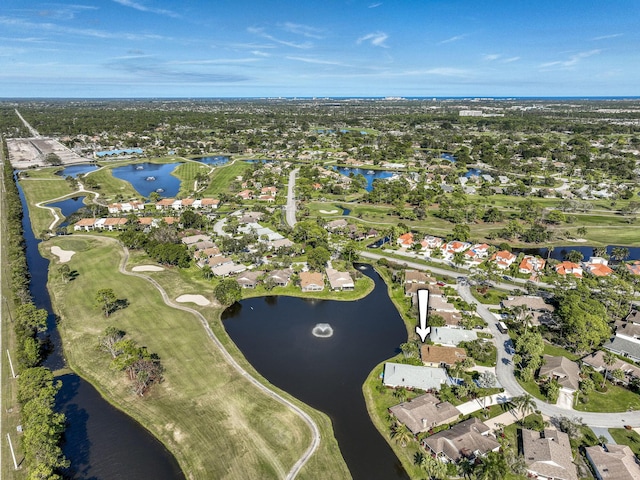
(242, 48)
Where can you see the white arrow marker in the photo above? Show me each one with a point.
(423, 308)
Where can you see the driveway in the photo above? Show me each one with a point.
(565, 399)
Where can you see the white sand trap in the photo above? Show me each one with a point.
(197, 299)
(329, 212)
(63, 255)
(578, 240)
(147, 268)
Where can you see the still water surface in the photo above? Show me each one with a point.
(275, 335)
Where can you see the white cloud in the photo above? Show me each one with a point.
(304, 30)
(316, 61)
(605, 37)
(490, 57)
(263, 34)
(143, 8)
(510, 59)
(377, 39)
(375, 5)
(453, 39)
(573, 59)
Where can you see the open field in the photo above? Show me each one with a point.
(215, 422)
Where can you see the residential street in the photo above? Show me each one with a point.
(505, 368)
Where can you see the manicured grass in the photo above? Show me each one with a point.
(187, 172)
(559, 352)
(223, 176)
(492, 296)
(532, 388)
(110, 186)
(204, 409)
(39, 191)
(615, 399)
(622, 436)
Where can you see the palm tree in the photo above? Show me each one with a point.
(401, 434)
(432, 466)
(619, 253)
(409, 349)
(400, 393)
(524, 404)
(550, 250)
(609, 359)
(465, 468)
(493, 467)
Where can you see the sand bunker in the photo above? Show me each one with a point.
(329, 212)
(147, 268)
(197, 299)
(63, 255)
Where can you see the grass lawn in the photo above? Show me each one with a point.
(214, 421)
(532, 388)
(615, 399)
(492, 296)
(187, 172)
(111, 187)
(622, 436)
(559, 352)
(223, 176)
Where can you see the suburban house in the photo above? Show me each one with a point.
(503, 259)
(414, 276)
(477, 253)
(111, 224)
(469, 439)
(598, 266)
(250, 217)
(125, 207)
(339, 280)
(311, 281)
(194, 239)
(424, 412)
(613, 462)
(245, 194)
(596, 360)
(531, 264)
(279, 278)
(626, 341)
(335, 225)
(565, 371)
(86, 224)
(439, 303)
(412, 376)
(228, 269)
(450, 248)
(249, 279)
(569, 268)
(451, 336)
(172, 203)
(539, 311)
(634, 268)
(438, 356)
(411, 289)
(547, 455)
(405, 240)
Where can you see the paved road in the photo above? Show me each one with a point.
(34, 132)
(504, 367)
(290, 209)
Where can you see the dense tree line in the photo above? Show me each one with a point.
(162, 244)
(43, 427)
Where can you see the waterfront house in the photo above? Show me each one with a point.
(86, 224)
(424, 412)
(311, 281)
(451, 336)
(569, 268)
(249, 279)
(279, 278)
(441, 356)
(412, 376)
(469, 439)
(503, 259)
(339, 280)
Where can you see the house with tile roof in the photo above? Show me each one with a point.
(569, 268)
(547, 454)
(438, 355)
(470, 439)
(531, 264)
(311, 281)
(613, 462)
(339, 281)
(634, 268)
(424, 412)
(503, 259)
(405, 240)
(598, 267)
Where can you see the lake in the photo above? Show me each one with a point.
(217, 160)
(75, 170)
(68, 207)
(370, 175)
(559, 253)
(275, 335)
(150, 177)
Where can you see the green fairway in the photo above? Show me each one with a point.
(214, 421)
(224, 175)
(41, 190)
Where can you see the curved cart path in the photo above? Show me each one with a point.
(315, 443)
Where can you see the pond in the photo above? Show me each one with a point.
(100, 441)
(559, 253)
(217, 160)
(75, 170)
(150, 177)
(68, 207)
(370, 175)
(276, 334)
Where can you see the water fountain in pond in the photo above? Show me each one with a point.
(322, 330)
(150, 179)
(139, 167)
(159, 190)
